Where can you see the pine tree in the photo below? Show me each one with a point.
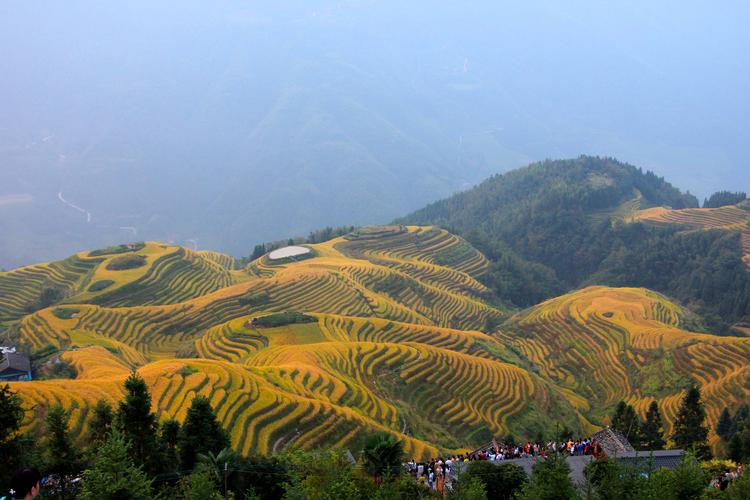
(690, 431)
(652, 432)
(724, 425)
(138, 425)
(169, 436)
(200, 433)
(101, 422)
(258, 251)
(114, 475)
(550, 480)
(11, 416)
(60, 455)
(735, 448)
(627, 422)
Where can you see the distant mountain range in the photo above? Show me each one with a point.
(222, 126)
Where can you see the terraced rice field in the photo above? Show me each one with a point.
(21, 288)
(171, 275)
(397, 345)
(609, 344)
(729, 218)
(174, 275)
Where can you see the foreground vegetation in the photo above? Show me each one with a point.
(129, 453)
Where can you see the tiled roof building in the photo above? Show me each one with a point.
(15, 367)
(613, 442)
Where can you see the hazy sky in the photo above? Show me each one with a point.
(224, 124)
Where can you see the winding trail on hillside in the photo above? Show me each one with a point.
(76, 207)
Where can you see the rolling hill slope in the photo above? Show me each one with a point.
(397, 334)
(395, 346)
(556, 226)
(607, 344)
(155, 274)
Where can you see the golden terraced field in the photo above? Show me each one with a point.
(396, 346)
(605, 344)
(728, 218)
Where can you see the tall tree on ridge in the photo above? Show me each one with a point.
(627, 422)
(724, 425)
(690, 431)
(138, 425)
(652, 431)
(169, 435)
(11, 416)
(60, 455)
(201, 433)
(101, 423)
(113, 474)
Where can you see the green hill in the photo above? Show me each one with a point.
(556, 226)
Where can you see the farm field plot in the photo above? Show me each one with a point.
(367, 333)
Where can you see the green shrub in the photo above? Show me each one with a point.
(550, 480)
(502, 481)
(65, 312)
(258, 299)
(113, 250)
(100, 285)
(284, 318)
(199, 486)
(470, 488)
(60, 369)
(126, 262)
(49, 295)
(188, 370)
(740, 488)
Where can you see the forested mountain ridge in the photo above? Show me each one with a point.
(555, 226)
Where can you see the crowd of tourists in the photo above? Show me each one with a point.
(722, 480)
(438, 473)
(496, 452)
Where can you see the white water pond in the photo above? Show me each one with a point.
(283, 253)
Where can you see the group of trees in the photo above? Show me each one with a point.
(605, 479)
(317, 236)
(724, 198)
(128, 453)
(643, 435)
(609, 479)
(689, 431)
(734, 431)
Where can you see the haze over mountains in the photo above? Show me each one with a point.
(220, 126)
